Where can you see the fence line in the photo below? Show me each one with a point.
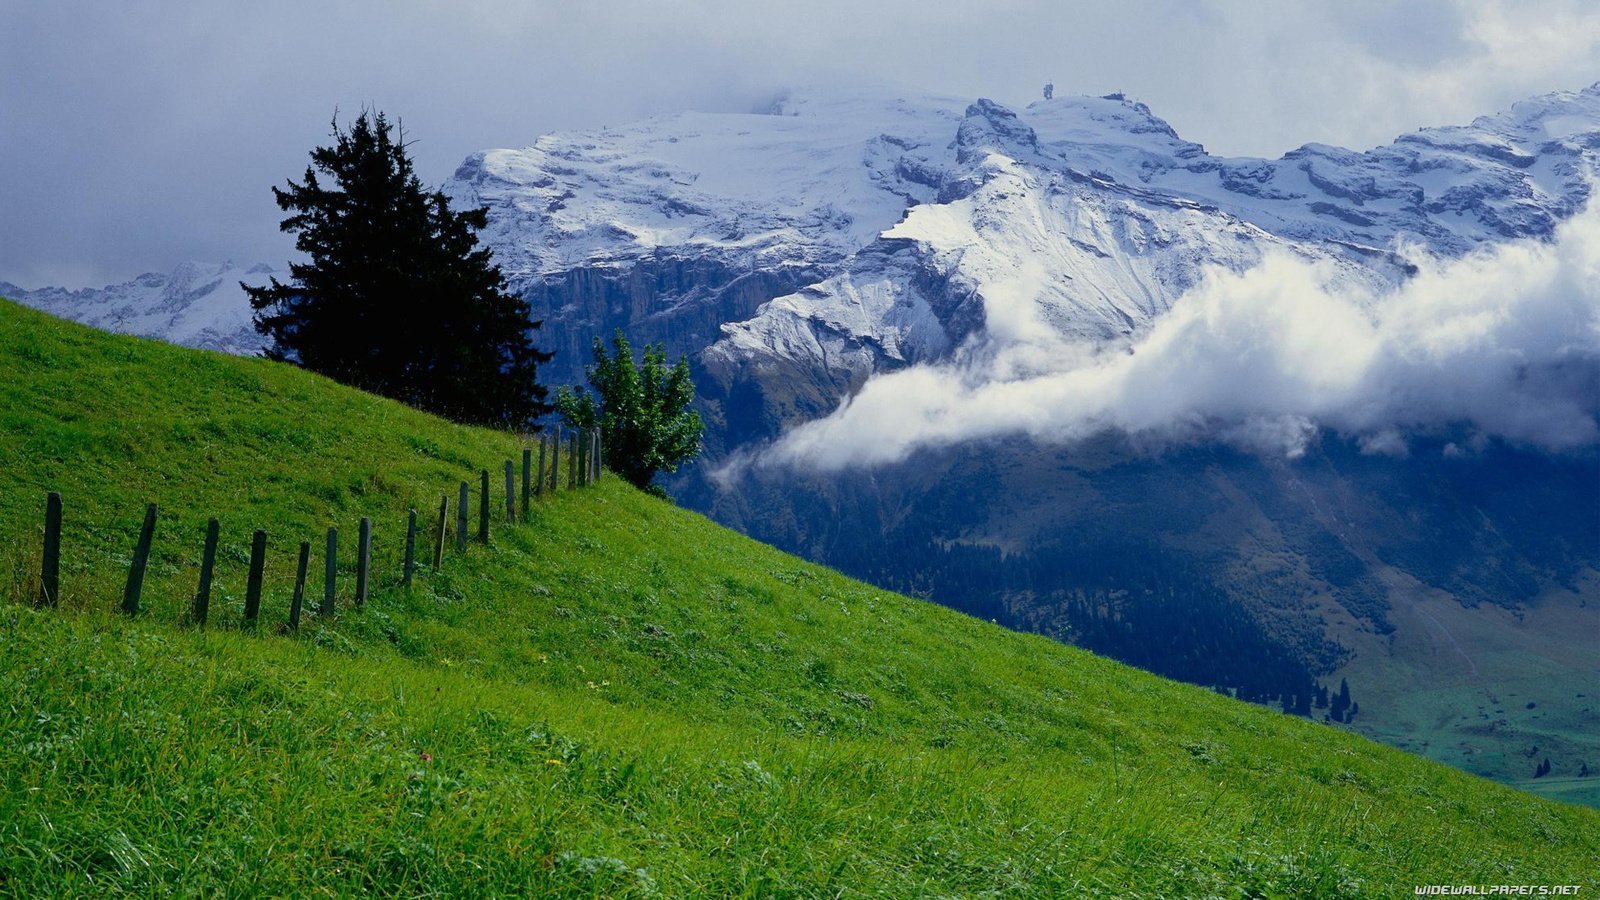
(584, 467)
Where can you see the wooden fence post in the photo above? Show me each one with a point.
(527, 480)
(461, 519)
(50, 571)
(572, 460)
(583, 458)
(483, 509)
(363, 559)
(252, 590)
(330, 573)
(208, 567)
(141, 558)
(594, 455)
(555, 460)
(438, 538)
(299, 587)
(511, 490)
(411, 547)
(539, 488)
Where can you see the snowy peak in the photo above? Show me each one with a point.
(810, 180)
(197, 304)
(1563, 119)
(1108, 124)
(1514, 174)
(989, 127)
(1085, 218)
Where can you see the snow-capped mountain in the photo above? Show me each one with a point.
(196, 304)
(843, 232)
(834, 234)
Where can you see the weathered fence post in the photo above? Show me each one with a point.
(141, 558)
(50, 571)
(483, 509)
(411, 547)
(572, 460)
(527, 480)
(539, 488)
(330, 573)
(594, 455)
(583, 457)
(511, 490)
(252, 590)
(208, 566)
(461, 519)
(438, 538)
(363, 560)
(555, 460)
(299, 587)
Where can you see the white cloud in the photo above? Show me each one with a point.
(1506, 340)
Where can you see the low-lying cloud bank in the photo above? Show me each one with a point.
(1506, 340)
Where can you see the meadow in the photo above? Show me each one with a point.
(615, 697)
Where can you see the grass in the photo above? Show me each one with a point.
(1491, 690)
(618, 698)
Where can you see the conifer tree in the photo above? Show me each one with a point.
(397, 298)
(1341, 702)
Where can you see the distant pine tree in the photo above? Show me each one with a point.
(1339, 707)
(397, 298)
(1302, 706)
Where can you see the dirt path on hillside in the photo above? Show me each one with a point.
(1437, 627)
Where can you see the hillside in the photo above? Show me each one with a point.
(618, 698)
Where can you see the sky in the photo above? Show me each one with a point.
(140, 134)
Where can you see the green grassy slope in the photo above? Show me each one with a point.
(619, 698)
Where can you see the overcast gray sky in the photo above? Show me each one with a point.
(138, 134)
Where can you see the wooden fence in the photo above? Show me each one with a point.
(584, 457)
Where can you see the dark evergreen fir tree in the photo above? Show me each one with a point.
(397, 297)
(1340, 705)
